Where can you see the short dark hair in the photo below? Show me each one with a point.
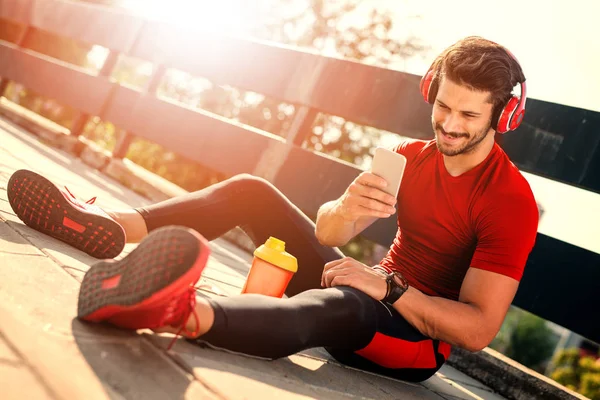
(481, 65)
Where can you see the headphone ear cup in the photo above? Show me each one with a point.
(506, 115)
(425, 85)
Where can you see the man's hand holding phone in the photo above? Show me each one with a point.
(370, 196)
(366, 197)
(373, 193)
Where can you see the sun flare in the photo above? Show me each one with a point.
(219, 16)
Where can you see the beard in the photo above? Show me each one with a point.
(461, 147)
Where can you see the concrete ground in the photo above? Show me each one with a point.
(46, 353)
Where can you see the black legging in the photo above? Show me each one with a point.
(352, 326)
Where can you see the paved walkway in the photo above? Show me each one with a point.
(45, 353)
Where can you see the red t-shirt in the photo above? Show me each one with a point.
(486, 218)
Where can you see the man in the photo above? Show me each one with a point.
(467, 221)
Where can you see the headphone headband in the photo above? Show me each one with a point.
(511, 114)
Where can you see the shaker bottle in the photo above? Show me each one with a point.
(272, 269)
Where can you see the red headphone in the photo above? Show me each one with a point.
(508, 119)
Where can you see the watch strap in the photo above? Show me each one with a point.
(394, 290)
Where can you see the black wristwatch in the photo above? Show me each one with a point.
(396, 286)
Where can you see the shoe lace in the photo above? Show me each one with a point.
(90, 201)
(182, 311)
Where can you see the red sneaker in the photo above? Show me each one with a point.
(151, 287)
(41, 205)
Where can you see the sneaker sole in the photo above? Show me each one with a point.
(42, 206)
(164, 265)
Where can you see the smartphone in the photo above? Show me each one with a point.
(390, 166)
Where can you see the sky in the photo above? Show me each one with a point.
(557, 42)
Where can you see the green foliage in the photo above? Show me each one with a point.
(42, 105)
(364, 250)
(577, 372)
(525, 338)
(568, 357)
(171, 166)
(102, 133)
(502, 340)
(566, 376)
(590, 385)
(531, 342)
(368, 42)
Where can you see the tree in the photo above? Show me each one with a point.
(322, 26)
(531, 342)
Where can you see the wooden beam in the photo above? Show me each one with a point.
(198, 135)
(365, 94)
(274, 156)
(56, 79)
(94, 24)
(16, 11)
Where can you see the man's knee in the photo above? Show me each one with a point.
(246, 177)
(343, 303)
(252, 183)
(257, 187)
(360, 303)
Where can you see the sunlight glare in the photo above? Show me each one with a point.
(96, 57)
(217, 16)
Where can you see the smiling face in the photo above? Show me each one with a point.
(461, 118)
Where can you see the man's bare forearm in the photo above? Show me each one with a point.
(362, 203)
(332, 229)
(453, 322)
